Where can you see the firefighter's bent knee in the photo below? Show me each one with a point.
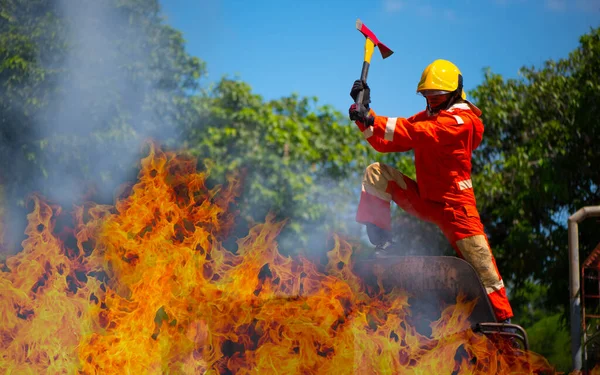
(378, 175)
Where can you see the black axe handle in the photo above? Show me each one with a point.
(363, 77)
(360, 107)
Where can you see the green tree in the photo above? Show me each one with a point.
(549, 338)
(302, 161)
(82, 84)
(537, 165)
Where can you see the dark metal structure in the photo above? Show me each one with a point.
(574, 282)
(434, 282)
(590, 307)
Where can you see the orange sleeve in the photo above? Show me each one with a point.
(396, 134)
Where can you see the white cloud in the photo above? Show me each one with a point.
(556, 5)
(426, 10)
(588, 5)
(577, 5)
(421, 9)
(507, 2)
(450, 15)
(393, 6)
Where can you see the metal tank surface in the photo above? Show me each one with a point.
(432, 283)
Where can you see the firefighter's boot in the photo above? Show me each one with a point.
(382, 239)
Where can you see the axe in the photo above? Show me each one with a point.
(370, 45)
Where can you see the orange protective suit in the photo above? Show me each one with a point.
(442, 145)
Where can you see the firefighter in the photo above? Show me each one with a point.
(443, 137)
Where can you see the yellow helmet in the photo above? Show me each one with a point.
(441, 77)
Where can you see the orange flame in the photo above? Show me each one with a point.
(146, 287)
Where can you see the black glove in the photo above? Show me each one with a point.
(359, 86)
(359, 112)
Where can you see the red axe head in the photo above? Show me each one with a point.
(385, 51)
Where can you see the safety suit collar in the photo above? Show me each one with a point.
(459, 106)
(466, 105)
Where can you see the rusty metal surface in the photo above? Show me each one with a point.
(574, 283)
(432, 281)
(593, 260)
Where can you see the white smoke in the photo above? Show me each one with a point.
(107, 95)
(97, 84)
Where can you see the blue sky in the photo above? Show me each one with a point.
(312, 47)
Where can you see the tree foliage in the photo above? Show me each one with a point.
(80, 81)
(539, 163)
(549, 338)
(81, 84)
(300, 160)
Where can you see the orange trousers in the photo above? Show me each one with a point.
(460, 224)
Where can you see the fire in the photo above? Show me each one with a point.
(146, 287)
